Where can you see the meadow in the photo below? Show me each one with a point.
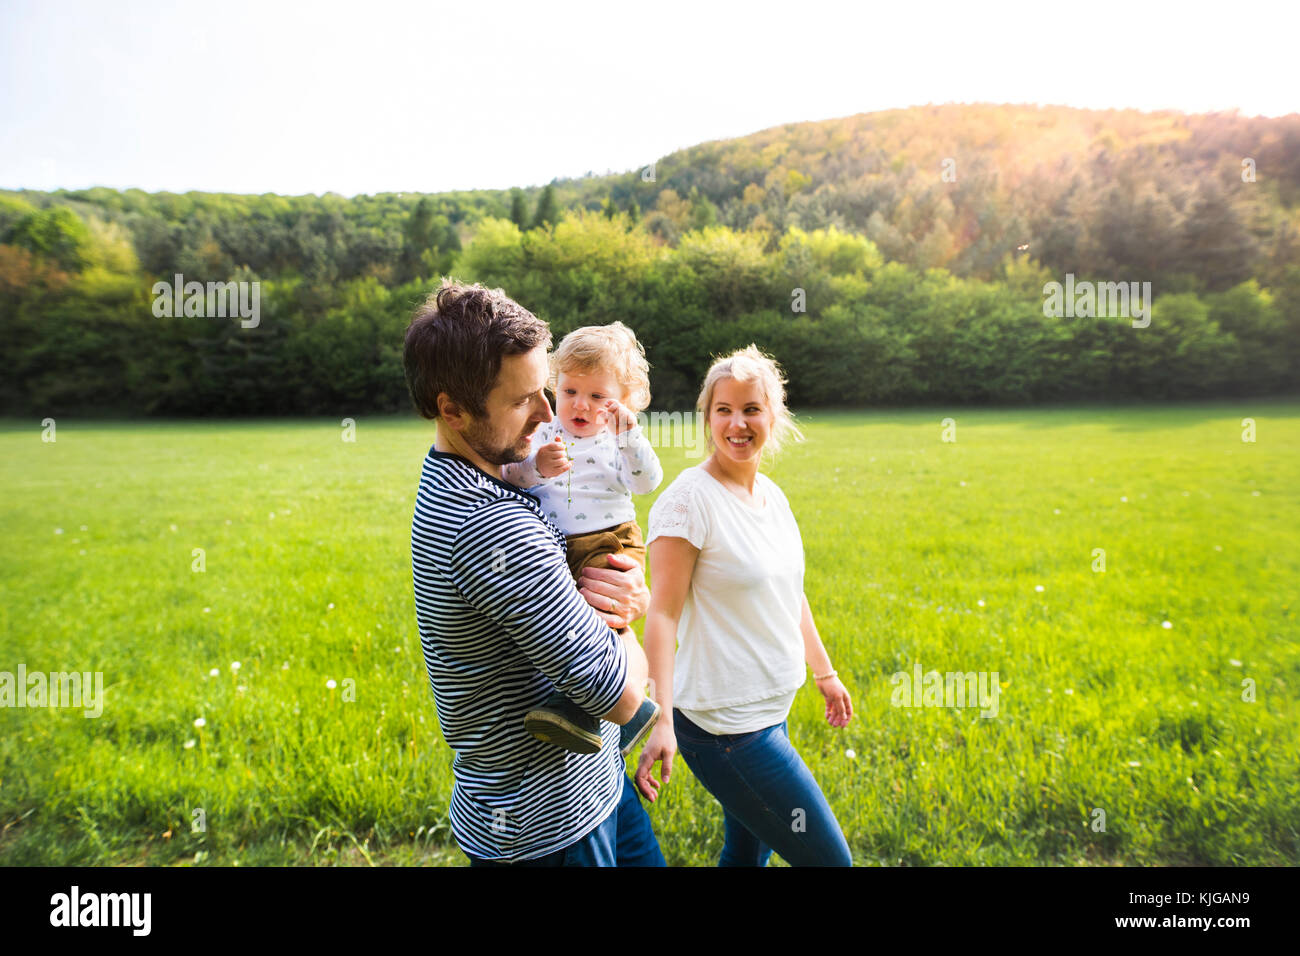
(1148, 713)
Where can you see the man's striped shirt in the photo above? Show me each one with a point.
(501, 623)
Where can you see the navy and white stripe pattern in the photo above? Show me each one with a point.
(500, 625)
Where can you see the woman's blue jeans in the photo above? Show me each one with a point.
(769, 798)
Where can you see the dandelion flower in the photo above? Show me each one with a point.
(284, 666)
(1166, 624)
(1123, 497)
(849, 753)
(200, 722)
(1038, 588)
(1234, 662)
(271, 515)
(173, 527)
(207, 610)
(58, 531)
(1069, 691)
(214, 672)
(189, 744)
(1135, 763)
(330, 683)
(980, 602)
(235, 665)
(1056, 511)
(331, 607)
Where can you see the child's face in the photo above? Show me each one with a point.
(580, 400)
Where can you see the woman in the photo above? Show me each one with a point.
(727, 565)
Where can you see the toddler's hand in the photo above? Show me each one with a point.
(552, 459)
(618, 418)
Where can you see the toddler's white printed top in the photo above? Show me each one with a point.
(597, 491)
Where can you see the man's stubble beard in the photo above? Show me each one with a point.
(477, 437)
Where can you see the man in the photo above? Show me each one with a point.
(500, 621)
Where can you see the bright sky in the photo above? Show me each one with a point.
(373, 96)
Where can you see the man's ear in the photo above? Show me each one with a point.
(451, 412)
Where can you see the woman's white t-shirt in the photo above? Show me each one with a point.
(740, 655)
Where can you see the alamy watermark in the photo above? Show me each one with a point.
(57, 689)
(669, 430)
(218, 300)
(1086, 300)
(954, 689)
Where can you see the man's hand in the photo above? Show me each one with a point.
(552, 459)
(618, 417)
(618, 593)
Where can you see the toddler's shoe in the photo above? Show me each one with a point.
(638, 728)
(561, 722)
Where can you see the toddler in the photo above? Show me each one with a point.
(586, 465)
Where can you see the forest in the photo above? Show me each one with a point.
(889, 258)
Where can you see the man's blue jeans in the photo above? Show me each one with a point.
(769, 798)
(624, 838)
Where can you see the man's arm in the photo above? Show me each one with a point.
(506, 564)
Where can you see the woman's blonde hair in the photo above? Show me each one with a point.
(751, 365)
(605, 348)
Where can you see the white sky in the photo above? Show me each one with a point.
(376, 96)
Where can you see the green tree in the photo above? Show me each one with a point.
(547, 213)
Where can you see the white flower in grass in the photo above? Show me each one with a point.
(189, 744)
(1218, 547)
(214, 672)
(397, 650)
(331, 607)
(850, 754)
(240, 689)
(1056, 511)
(331, 684)
(58, 531)
(84, 528)
(235, 665)
(1069, 691)
(1135, 763)
(980, 602)
(962, 483)
(1166, 624)
(173, 527)
(271, 515)
(207, 610)
(284, 666)
(200, 722)
(1123, 498)
(1254, 494)
(1038, 588)
(1234, 662)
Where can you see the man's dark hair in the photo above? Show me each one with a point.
(456, 341)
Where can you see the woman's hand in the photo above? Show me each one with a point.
(839, 707)
(658, 749)
(618, 593)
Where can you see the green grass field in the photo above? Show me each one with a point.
(918, 550)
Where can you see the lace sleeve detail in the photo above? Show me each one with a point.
(678, 514)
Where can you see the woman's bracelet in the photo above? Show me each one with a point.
(824, 676)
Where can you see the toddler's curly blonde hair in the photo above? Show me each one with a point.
(605, 348)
